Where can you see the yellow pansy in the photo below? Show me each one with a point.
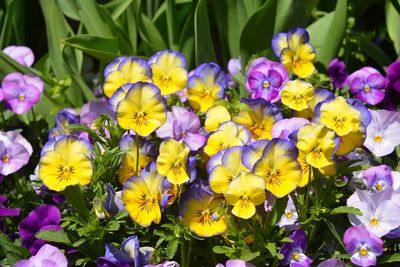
(296, 94)
(215, 116)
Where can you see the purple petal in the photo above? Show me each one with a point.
(194, 141)
(22, 54)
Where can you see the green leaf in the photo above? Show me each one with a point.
(203, 43)
(101, 48)
(396, 5)
(69, 8)
(392, 23)
(332, 228)
(261, 23)
(345, 210)
(247, 255)
(223, 250)
(54, 236)
(273, 250)
(172, 248)
(375, 52)
(6, 30)
(150, 34)
(92, 19)
(117, 7)
(12, 252)
(395, 257)
(329, 32)
(293, 13)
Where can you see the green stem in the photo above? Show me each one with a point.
(214, 259)
(33, 114)
(137, 155)
(307, 194)
(75, 198)
(3, 120)
(190, 253)
(183, 254)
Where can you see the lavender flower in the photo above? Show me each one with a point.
(383, 132)
(44, 217)
(48, 256)
(7, 212)
(294, 252)
(91, 110)
(21, 92)
(380, 213)
(183, 125)
(22, 54)
(337, 72)
(283, 128)
(393, 87)
(165, 264)
(15, 152)
(362, 245)
(368, 85)
(235, 263)
(378, 178)
(265, 79)
(333, 262)
(289, 218)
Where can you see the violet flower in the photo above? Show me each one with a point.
(337, 72)
(363, 246)
(165, 264)
(235, 263)
(289, 218)
(383, 132)
(393, 87)
(47, 256)
(380, 211)
(368, 85)
(378, 178)
(44, 217)
(7, 212)
(21, 92)
(294, 252)
(15, 152)
(333, 262)
(183, 125)
(91, 110)
(22, 54)
(265, 79)
(283, 128)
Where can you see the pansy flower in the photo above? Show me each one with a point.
(6, 212)
(283, 128)
(47, 255)
(142, 110)
(229, 134)
(294, 253)
(253, 152)
(15, 152)
(320, 95)
(215, 116)
(383, 132)
(44, 217)
(294, 51)
(265, 78)
(93, 109)
(296, 94)
(378, 178)
(332, 262)
(142, 195)
(125, 70)
(363, 246)
(235, 263)
(245, 193)
(229, 169)
(368, 85)
(337, 72)
(22, 54)
(201, 214)
(64, 118)
(169, 71)
(206, 86)
(259, 118)
(290, 216)
(183, 125)
(129, 144)
(21, 92)
(279, 167)
(172, 161)
(68, 163)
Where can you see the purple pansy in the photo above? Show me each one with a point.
(368, 85)
(15, 152)
(44, 217)
(21, 92)
(22, 54)
(333, 262)
(378, 178)
(165, 264)
(283, 128)
(265, 78)
(183, 125)
(6, 212)
(91, 110)
(363, 246)
(235, 263)
(337, 72)
(294, 252)
(47, 256)
(393, 87)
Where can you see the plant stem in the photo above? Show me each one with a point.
(75, 198)
(212, 253)
(33, 114)
(137, 155)
(3, 120)
(183, 254)
(307, 193)
(190, 253)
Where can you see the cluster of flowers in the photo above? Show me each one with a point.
(220, 160)
(20, 92)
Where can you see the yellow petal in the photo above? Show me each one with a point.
(244, 209)
(215, 116)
